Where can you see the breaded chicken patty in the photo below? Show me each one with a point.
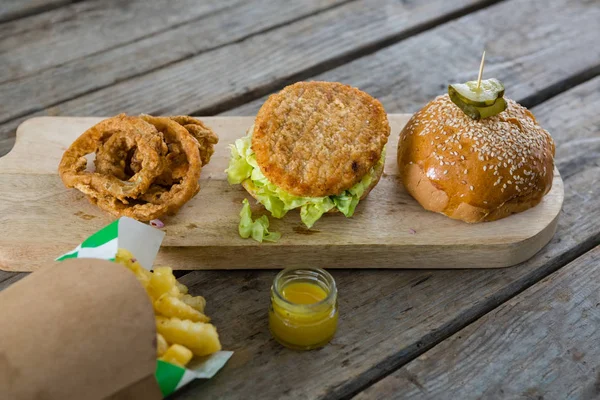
(316, 139)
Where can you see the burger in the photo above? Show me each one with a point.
(481, 162)
(316, 146)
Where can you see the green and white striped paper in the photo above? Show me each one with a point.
(143, 242)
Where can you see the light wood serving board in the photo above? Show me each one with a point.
(41, 219)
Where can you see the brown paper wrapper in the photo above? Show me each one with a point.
(78, 329)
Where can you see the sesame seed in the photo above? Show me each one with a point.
(485, 167)
(471, 187)
(517, 145)
(445, 172)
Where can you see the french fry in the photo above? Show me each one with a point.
(178, 355)
(201, 338)
(170, 306)
(161, 345)
(127, 259)
(196, 302)
(162, 281)
(182, 327)
(182, 288)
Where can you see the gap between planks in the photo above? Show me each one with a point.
(159, 66)
(260, 91)
(33, 8)
(551, 321)
(388, 313)
(562, 86)
(164, 30)
(337, 61)
(397, 361)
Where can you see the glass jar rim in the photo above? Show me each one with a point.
(331, 293)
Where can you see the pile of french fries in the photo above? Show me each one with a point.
(183, 330)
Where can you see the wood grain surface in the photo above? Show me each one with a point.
(390, 317)
(516, 35)
(540, 344)
(171, 73)
(124, 56)
(66, 30)
(389, 229)
(15, 9)
(402, 52)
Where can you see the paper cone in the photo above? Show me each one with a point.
(79, 329)
(143, 242)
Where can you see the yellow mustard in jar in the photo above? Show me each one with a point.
(303, 313)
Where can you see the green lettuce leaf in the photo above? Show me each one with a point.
(311, 212)
(243, 168)
(258, 229)
(239, 169)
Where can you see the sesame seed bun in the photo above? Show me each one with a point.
(472, 170)
(377, 173)
(315, 139)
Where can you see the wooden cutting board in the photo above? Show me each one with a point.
(41, 219)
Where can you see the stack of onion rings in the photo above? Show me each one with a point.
(145, 166)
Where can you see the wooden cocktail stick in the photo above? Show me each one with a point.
(481, 70)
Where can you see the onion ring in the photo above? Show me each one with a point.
(136, 132)
(205, 136)
(176, 164)
(146, 166)
(159, 200)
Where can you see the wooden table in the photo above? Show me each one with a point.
(530, 331)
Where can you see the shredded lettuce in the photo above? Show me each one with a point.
(243, 168)
(258, 229)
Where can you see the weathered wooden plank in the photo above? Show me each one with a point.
(5, 145)
(231, 73)
(543, 49)
(13, 9)
(389, 317)
(53, 85)
(8, 278)
(84, 28)
(398, 314)
(541, 344)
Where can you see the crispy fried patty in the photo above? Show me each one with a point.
(318, 139)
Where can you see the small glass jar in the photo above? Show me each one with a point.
(303, 325)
